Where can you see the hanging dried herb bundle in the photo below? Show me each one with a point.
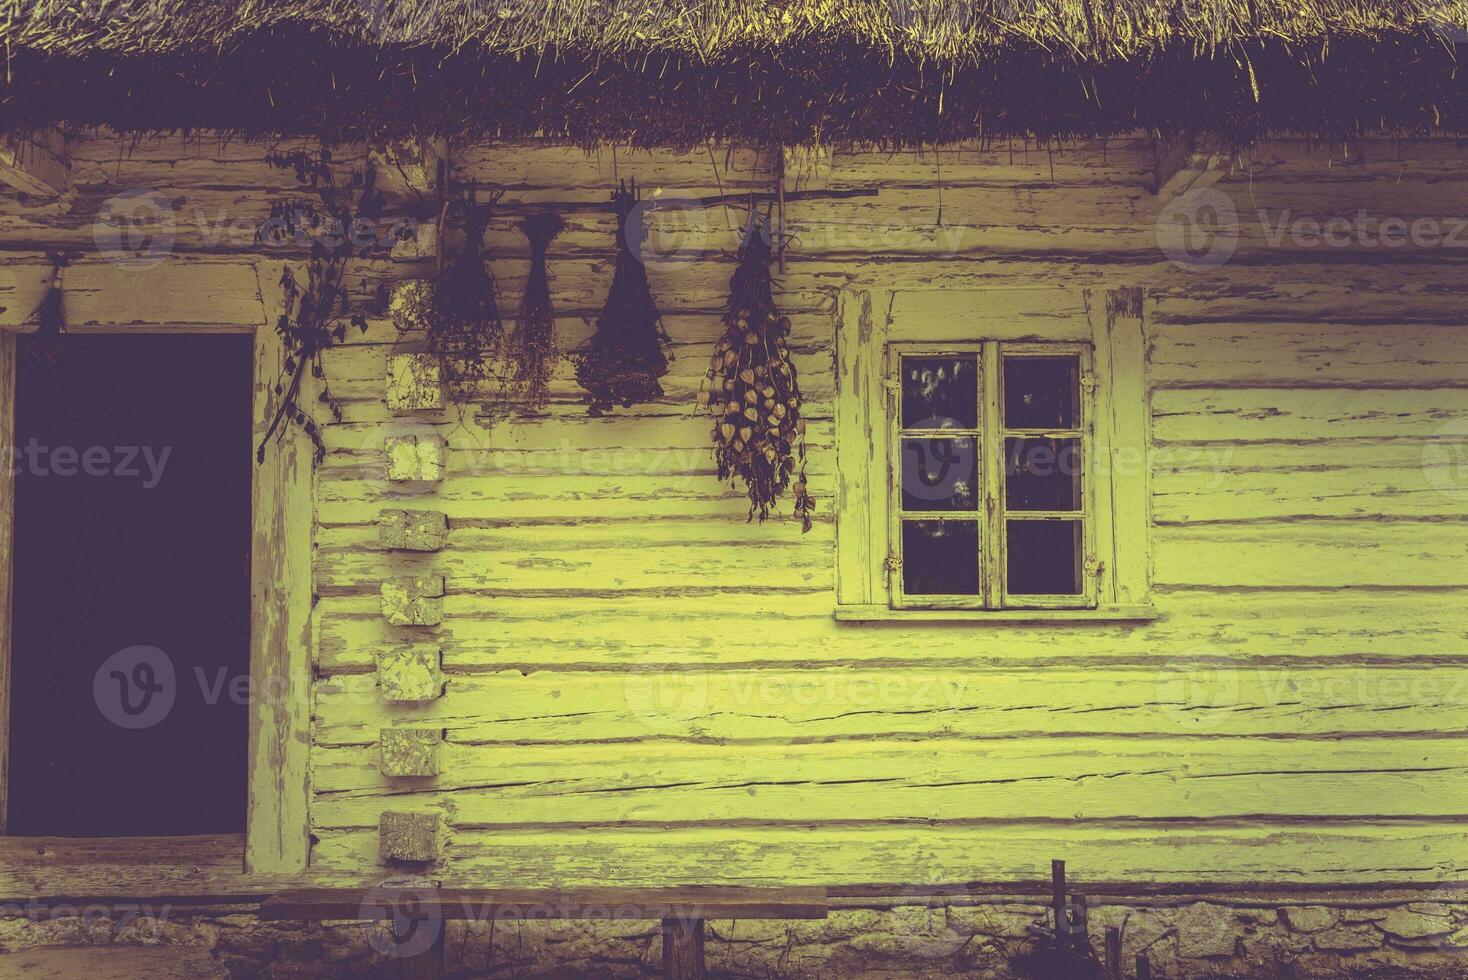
(533, 354)
(623, 360)
(316, 314)
(464, 329)
(45, 343)
(752, 391)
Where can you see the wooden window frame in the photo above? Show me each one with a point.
(276, 841)
(873, 326)
(992, 515)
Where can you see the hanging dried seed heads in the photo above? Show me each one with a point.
(533, 354)
(464, 329)
(623, 360)
(752, 391)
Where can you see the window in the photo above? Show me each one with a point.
(991, 446)
(991, 507)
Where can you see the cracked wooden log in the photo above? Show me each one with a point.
(413, 600)
(408, 836)
(414, 459)
(410, 675)
(409, 751)
(412, 530)
(414, 382)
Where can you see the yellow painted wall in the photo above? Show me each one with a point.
(641, 686)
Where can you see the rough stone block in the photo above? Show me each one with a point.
(409, 751)
(413, 601)
(414, 382)
(1407, 924)
(407, 835)
(412, 530)
(1204, 929)
(1308, 918)
(414, 458)
(1348, 939)
(411, 675)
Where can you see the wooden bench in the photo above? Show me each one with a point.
(412, 907)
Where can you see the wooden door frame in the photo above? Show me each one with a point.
(277, 823)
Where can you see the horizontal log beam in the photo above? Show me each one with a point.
(35, 163)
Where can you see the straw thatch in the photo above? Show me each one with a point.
(670, 71)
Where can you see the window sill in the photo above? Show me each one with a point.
(1134, 612)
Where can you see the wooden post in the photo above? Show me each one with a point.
(1144, 967)
(427, 965)
(1113, 953)
(683, 949)
(1057, 902)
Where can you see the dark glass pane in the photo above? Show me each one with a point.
(1044, 557)
(1041, 392)
(940, 392)
(940, 557)
(940, 473)
(1042, 474)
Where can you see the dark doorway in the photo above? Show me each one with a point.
(131, 587)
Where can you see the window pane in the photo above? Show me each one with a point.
(1042, 474)
(940, 392)
(940, 557)
(940, 474)
(1041, 392)
(1044, 557)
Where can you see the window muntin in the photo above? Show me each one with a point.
(991, 500)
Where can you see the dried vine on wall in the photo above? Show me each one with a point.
(752, 390)
(317, 313)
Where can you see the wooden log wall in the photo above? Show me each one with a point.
(638, 686)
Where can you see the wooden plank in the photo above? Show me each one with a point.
(157, 962)
(861, 425)
(1113, 855)
(35, 163)
(1335, 555)
(1273, 414)
(1364, 478)
(1094, 777)
(7, 548)
(588, 557)
(790, 629)
(1308, 354)
(507, 904)
(281, 639)
(1210, 692)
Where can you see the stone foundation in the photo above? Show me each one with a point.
(1237, 937)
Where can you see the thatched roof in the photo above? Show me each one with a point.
(684, 70)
